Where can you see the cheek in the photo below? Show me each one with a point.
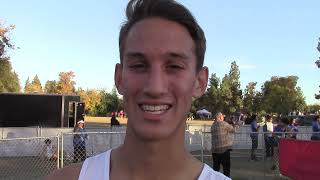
(184, 87)
(131, 84)
(184, 91)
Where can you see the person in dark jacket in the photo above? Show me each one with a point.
(79, 142)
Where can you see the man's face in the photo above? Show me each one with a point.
(158, 78)
(220, 117)
(81, 125)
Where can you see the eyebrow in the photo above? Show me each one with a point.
(135, 55)
(179, 55)
(174, 55)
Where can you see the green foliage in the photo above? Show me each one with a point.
(9, 81)
(317, 96)
(110, 102)
(91, 98)
(231, 94)
(251, 98)
(211, 99)
(315, 108)
(222, 96)
(281, 95)
(51, 87)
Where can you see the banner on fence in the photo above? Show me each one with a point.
(299, 159)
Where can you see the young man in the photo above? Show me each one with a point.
(161, 69)
(221, 133)
(268, 136)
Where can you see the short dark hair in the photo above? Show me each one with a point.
(138, 10)
(268, 117)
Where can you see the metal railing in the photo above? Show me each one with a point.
(28, 158)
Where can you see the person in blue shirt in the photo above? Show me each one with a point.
(316, 128)
(254, 136)
(293, 128)
(79, 142)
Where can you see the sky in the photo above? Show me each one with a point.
(265, 38)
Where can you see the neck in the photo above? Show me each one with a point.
(159, 159)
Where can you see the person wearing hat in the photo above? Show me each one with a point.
(79, 142)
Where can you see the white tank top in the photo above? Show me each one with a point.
(97, 168)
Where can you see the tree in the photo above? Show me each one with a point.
(9, 81)
(51, 87)
(317, 96)
(91, 98)
(4, 39)
(249, 98)
(66, 84)
(231, 94)
(34, 86)
(314, 109)
(110, 102)
(282, 95)
(212, 98)
(27, 86)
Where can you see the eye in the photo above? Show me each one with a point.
(175, 66)
(137, 66)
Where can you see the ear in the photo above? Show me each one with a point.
(200, 85)
(118, 78)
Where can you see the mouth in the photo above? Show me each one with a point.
(155, 109)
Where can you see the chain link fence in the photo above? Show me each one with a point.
(95, 143)
(28, 158)
(34, 158)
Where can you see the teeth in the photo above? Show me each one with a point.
(155, 109)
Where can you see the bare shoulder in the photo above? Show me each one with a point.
(70, 172)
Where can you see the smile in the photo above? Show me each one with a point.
(154, 109)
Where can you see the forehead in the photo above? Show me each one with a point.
(159, 36)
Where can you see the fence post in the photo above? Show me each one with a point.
(202, 143)
(58, 153)
(263, 154)
(92, 149)
(61, 150)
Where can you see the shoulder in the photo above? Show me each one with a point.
(68, 173)
(209, 174)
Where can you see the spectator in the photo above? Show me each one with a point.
(293, 128)
(50, 151)
(79, 142)
(268, 136)
(121, 114)
(222, 141)
(114, 121)
(316, 128)
(280, 131)
(254, 136)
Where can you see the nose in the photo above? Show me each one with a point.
(156, 84)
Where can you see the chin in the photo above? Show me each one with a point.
(153, 134)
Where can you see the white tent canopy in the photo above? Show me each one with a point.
(204, 112)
